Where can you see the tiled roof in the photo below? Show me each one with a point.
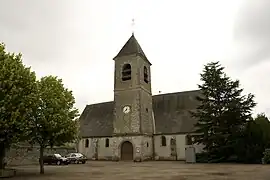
(171, 113)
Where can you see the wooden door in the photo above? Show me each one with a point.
(127, 151)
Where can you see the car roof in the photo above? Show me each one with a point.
(76, 153)
(53, 154)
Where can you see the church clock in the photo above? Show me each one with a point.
(126, 109)
(132, 91)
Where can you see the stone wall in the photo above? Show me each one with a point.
(165, 152)
(142, 147)
(26, 155)
(172, 151)
(136, 94)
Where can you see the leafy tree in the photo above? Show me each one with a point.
(254, 140)
(17, 92)
(222, 114)
(54, 120)
(264, 125)
(250, 147)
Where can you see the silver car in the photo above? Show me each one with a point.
(76, 158)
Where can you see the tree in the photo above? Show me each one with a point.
(264, 125)
(250, 147)
(17, 92)
(53, 122)
(254, 140)
(222, 114)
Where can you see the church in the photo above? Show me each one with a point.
(138, 126)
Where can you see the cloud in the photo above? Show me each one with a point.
(64, 38)
(36, 27)
(76, 40)
(252, 33)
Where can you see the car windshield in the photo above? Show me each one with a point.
(79, 154)
(57, 155)
(75, 155)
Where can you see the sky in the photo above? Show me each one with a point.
(76, 41)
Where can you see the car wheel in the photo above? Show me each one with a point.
(58, 163)
(83, 162)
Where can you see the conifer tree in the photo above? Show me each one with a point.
(222, 114)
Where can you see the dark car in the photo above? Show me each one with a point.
(76, 158)
(55, 159)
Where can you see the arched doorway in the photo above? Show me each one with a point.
(127, 151)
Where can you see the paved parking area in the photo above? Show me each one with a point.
(145, 170)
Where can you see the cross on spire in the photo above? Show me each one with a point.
(132, 26)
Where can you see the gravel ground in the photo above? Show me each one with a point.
(168, 170)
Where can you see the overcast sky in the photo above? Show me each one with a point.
(76, 40)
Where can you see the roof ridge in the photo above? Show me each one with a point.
(106, 102)
(179, 92)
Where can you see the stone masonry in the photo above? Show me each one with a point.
(147, 121)
(27, 155)
(136, 94)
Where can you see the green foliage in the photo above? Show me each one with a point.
(249, 147)
(202, 157)
(250, 144)
(53, 121)
(222, 114)
(264, 127)
(17, 92)
(37, 111)
(254, 140)
(266, 157)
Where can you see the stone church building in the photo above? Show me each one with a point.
(137, 125)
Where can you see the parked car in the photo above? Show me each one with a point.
(55, 159)
(76, 158)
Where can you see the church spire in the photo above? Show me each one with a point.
(132, 47)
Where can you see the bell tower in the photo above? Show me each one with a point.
(132, 91)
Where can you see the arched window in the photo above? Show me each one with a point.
(145, 74)
(126, 72)
(188, 140)
(107, 142)
(163, 141)
(87, 143)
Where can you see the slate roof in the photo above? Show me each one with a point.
(131, 47)
(171, 113)
(97, 120)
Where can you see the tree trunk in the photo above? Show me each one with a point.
(2, 155)
(41, 164)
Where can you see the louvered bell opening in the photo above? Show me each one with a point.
(146, 77)
(145, 74)
(126, 74)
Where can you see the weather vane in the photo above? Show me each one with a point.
(132, 25)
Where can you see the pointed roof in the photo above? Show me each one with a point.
(131, 47)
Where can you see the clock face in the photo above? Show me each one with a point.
(126, 109)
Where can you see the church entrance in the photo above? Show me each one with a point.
(127, 151)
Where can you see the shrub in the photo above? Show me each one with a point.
(266, 157)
